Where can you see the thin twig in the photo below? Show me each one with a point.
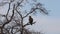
(33, 9)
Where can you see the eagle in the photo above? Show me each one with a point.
(30, 20)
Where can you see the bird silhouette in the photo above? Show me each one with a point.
(30, 20)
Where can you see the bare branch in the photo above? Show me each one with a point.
(19, 13)
(41, 8)
(20, 2)
(38, 6)
(17, 6)
(44, 11)
(28, 24)
(10, 18)
(33, 10)
(8, 11)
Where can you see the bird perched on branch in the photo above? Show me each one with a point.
(30, 20)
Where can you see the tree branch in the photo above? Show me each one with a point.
(28, 24)
(19, 13)
(44, 11)
(10, 18)
(38, 6)
(8, 11)
(33, 9)
(17, 6)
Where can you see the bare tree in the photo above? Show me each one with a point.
(19, 13)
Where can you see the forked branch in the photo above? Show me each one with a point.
(10, 18)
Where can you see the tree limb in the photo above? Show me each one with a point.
(28, 24)
(17, 6)
(10, 18)
(33, 9)
(8, 11)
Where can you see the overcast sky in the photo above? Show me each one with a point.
(49, 24)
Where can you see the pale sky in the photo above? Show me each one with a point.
(48, 24)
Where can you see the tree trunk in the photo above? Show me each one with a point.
(22, 30)
(1, 30)
(22, 26)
